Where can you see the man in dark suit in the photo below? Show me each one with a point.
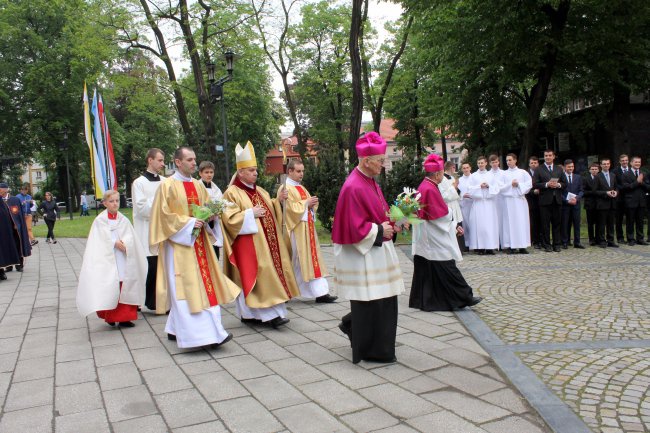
(589, 187)
(549, 180)
(606, 194)
(532, 197)
(635, 186)
(571, 206)
(619, 171)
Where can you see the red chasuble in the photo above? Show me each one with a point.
(199, 246)
(243, 245)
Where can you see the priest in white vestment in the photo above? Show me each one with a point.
(515, 223)
(300, 229)
(143, 192)
(190, 282)
(437, 283)
(483, 218)
(367, 266)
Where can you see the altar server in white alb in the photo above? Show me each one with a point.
(483, 218)
(465, 198)
(300, 233)
(143, 191)
(111, 281)
(367, 266)
(206, 171)
(515, 224)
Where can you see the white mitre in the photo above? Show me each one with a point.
(245, 156)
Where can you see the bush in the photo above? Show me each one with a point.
(325, 181)
(403, 174)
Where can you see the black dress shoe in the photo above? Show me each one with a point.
(475, 300)
(111, 323)
(602, 245)
(326, 299)
(225, 340)
(523, 251)
(490, 252)
(171, 337)
(579, 246)
(537, 246)
(245, 320)
(548, 249)
(620, 241)
(9, 269)
(278, 321)
(557, 249)
(631, 243)
(642, 242)
(19, 268)
(344, 329)
(612, 244)
(592, 243)
(127, 324)
(565, 246)
(3, 276)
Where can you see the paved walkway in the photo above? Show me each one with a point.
(572, 345)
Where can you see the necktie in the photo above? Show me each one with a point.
(569, 179)
(607, 178)
(550, 168)
(636, 173)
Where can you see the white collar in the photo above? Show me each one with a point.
(292, 182)
(179, 176)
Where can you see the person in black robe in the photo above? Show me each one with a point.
(10, 247)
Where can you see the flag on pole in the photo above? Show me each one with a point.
(100, 167)
(108, 145)
(89, 138)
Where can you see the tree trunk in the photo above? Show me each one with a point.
(443, 142)
(539, 92)
(357, 92)
(621, 118)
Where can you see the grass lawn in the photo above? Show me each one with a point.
(79, 227)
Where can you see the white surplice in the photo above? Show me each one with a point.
(465, 205)
(191, 329)
(365, 272)
(483, 217)
(436, 239)
(515, 222)
(143, 192)
(451, 197)
(215, 194)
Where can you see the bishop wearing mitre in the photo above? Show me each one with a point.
(256, 256)
(190, 283)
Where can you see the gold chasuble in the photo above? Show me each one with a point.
(259, 262)
(199, 281)
(312, 265)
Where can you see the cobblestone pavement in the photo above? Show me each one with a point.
(579, 320)
(59, 372)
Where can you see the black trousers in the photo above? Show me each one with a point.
(50, 228)
(605, 226)
(550, 215)
(592, 220)
(150, 288)
(535, 226)
(620, 213)
(634, 219)
(571, 219)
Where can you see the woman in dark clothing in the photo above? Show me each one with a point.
(49, 211)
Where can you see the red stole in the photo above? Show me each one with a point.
(243, 257)
(312, 236)
(199, 246)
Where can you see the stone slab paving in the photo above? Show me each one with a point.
(571, 331)
(61, 373)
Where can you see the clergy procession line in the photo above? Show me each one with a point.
(168, 260)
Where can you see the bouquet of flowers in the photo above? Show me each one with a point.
(404, 210)
(208, 210)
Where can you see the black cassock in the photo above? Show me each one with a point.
(10, 244)
(438, 286)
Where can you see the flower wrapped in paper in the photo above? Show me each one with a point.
(404, 209)
(208, 210)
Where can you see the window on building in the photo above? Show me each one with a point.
(39, 175)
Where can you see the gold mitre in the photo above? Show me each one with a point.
(245, 156)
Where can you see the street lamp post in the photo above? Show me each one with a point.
(216, 95)
(64, 148)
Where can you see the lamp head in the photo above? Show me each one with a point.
(230, 57)
(210, 69)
